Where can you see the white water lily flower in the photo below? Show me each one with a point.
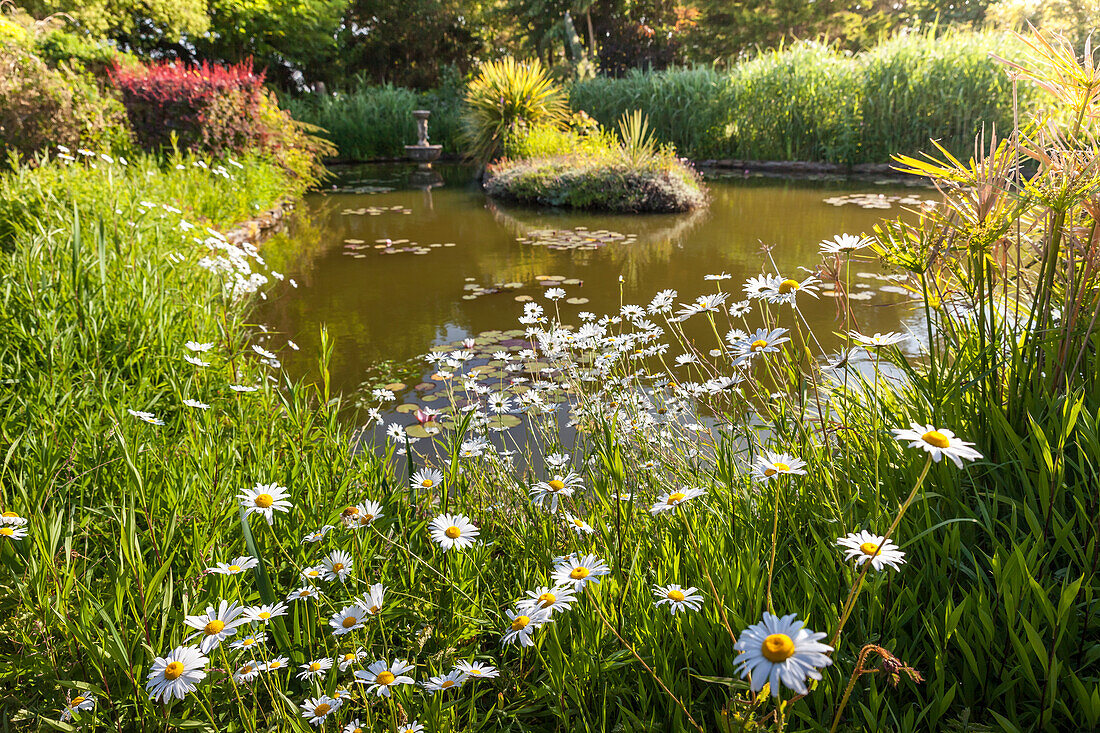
(176, 674)
(677, 598)
(216, 625)
(938, 443)
(864, 546)
(265, 500)
(380, 676)
(453, 531)
(781, 650)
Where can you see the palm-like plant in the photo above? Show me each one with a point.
(506, 93)
(639, 147)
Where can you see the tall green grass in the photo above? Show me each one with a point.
(374, 122)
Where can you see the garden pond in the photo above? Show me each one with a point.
(396, 262)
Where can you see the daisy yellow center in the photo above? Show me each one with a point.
(385, 678)
(9, 514)
(349, 621)
(77, 700)
(304, 593)
(769, 472)
(351, 511)
(675, 497)
(869, 548)
(7, 531)
(580, 573)
(556, 484)
(758, 344)
(547, 599)
(936, 438)
(264, 501)
(349, 657)
(337, 567)
(787, 286)
(173, 670)
(427, 483)
(234, 568)
(321, 709)
(781, 467)
(366, 518)
(520, 623)
(374, 609)
(314, 666)
(214, 627)
(312, 573)
(777, 648)
(453, 532)
(248, 642)
(675, 595)
(447, 683)
(275, 665)
(246, 669)
(473, 671)
(265, 615)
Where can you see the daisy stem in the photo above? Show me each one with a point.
(647, 668)
(710, 581)
(853, 594)
(236, 692)
(771, 561)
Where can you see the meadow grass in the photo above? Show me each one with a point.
(743, 467)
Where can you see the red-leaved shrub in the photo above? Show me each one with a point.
(210, 108)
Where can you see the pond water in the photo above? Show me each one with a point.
(385, 303)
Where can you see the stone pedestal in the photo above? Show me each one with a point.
(422, 152)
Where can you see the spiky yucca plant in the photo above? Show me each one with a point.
(506, 93)
(638, 146)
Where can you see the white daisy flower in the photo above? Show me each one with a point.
(338, 565)
(12, 532)
(247, 672)
(410, 727)
(779, 290)
(670, 500)
(864, 546)
(265, 500)
(196, 361)
(773, 465)
(353, 726)
(316, 668)
(216, 625)
(317, 709)
(317, 535)
(276, 664)
(552, 600)
(239, 565)
(344, 661)
(426, 478)
(558, 486)
(304, 593)
(373, 600)
(781, 650)
(249, 642)
(196, 404)
(761, 342)
(349, 619)
(453, 531)
(879, 340)
(523, 626)
(579, 571)
(176, 674)
(265, 612)
(263, 352)
(678, 598)
(554, 293)
(145, 417)
(76, 706)
(10, 518)
(453, 680)
(476, 670)
(312, 573)
(242, 388)
(938, 443)
(361, 515)
(196, 346)
(380, 676)
(579, 526)
(843, 243)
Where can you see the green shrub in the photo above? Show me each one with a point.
(41, 107)
(81, 53)
(505, 94)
